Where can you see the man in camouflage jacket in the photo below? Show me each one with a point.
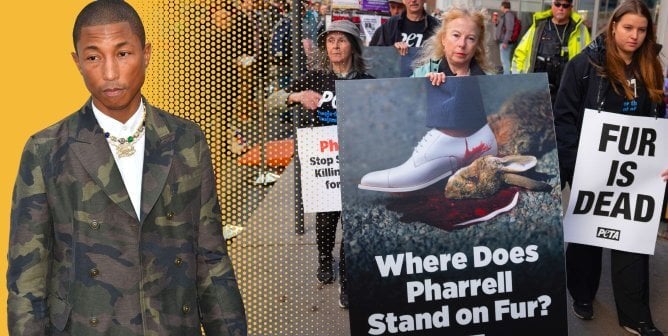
(82, 259)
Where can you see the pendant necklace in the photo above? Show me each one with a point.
(125, 146)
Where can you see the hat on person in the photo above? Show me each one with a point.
(343, 26)
(397, 1)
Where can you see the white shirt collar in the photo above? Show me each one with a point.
(115, 127)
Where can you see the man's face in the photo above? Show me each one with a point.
(414, 7)
(113, 64)
(396, 8)
(561, 10)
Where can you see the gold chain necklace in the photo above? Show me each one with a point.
(125, 146)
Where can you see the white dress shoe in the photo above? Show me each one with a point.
(436, 157)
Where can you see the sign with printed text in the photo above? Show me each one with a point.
(617, 193)
(369, 24)
(318, 149)
(422, 261)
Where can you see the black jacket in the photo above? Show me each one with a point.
(390, 32)
(583, 87)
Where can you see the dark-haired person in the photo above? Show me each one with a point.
(412, 28)
(555, 37)
(115, 225)
(619, 72)
(339, 57)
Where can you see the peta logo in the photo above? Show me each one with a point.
(606, 233)
(328, 97)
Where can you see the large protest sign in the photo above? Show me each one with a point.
(319, 156)
(421, 263)
(385, 62)
(617, 194)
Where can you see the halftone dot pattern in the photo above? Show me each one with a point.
(210, 64)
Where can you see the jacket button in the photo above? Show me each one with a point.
(93, 321)
(185, 309)
(178, 261)
(170, 215)
(94, 272)
(94, 224)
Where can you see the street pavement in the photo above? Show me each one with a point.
(276, 271)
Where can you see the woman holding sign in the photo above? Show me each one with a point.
(457, 49)
(618, 72)
(339, 58)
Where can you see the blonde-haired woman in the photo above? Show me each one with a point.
(457, 49)
(618, 72)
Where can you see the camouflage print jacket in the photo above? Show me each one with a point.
(81, 263)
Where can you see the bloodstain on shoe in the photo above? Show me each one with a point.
(475, 152)
(429, 206)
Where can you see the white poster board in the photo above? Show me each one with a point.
(318, 149)
(617, 193)
(369, 24)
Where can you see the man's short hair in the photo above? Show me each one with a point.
(103, 12)
(505, 4)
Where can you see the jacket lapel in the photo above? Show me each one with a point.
(158, 155)
(92, 150)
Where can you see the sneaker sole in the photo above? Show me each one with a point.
(632, 331)
(580, 316)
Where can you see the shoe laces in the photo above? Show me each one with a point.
(425, 140)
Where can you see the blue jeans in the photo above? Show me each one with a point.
(506, 55)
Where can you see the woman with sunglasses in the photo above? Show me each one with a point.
(555, 37)
(619, 72)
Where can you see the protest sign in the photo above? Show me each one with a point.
(375, 5)
(385, 62)
(319, 156)
(368, 25)
(617, 194)
(423, 263)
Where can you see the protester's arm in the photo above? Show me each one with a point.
(279, 100)
(30, 242)
(567, 110)
(296, 93)
(218, 293)
(664, 175)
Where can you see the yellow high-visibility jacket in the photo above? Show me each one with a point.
(524, 58)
